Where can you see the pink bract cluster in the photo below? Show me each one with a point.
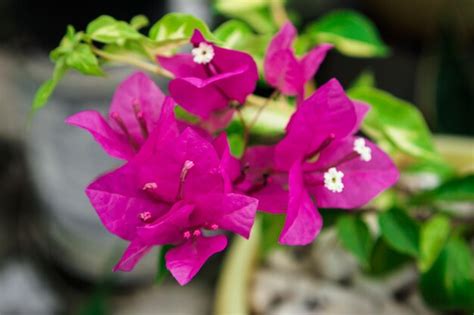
(181, 186)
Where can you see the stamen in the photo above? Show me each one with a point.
(214, 227)
(140, 118)
(363, 150)
(184, 172)
(333, 180)
(197, 233)
(314, 155)
(203, 54)
(116, 117)
(150, 186)
(242, 175)
(145, 216)
(259, 186)
(187, 235)
(186, 167)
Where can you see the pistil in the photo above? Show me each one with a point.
(116, 117)
(140, 118)
(314, 155)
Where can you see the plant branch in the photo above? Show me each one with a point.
(273, 96)
(278, 11)
(134, 62)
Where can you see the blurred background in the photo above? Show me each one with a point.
(55, 257)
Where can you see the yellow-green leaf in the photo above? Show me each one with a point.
(397, 121)
(350, 32)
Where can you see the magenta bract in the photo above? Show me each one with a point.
(133, 114)
(176, 191)
(283, 70)
(209, 78)
(319, 163)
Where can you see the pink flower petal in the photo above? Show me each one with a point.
(361, 109)
(197, 38)
(132, 255)
(229, 164)
(273, 198)
(303, 221)
(243, 83)
(185, 260)
(198, 96)
(313, 59)
(362, 180)
(284, 72)
(327, 112)
(139, 90)
(182, 65)
(113, 143)
(168, 228)
(231, 212)
(283, 39)
(119, 200)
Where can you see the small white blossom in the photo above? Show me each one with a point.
(333, 180)
(203, 53)
(364, 151)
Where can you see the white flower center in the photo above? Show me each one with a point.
(333, 180)
(364, 151)
(203, 53)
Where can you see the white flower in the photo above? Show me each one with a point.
(333, 180)
(364, 151)
(203, 53)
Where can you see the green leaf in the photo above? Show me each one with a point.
(178, 26)
(255, 13)
(183, 114)
(272, 224)
(400, 231)
(302, 44)
(355, 236)
(365, 79)
(236, 143)
(139, 22)
(233, 34)
(47, 88)
(132, 48)
(384, 259)
(397, 121)
(162, 272)
(441, 169)
(434, 234)
(68, 43)
(453, 191)
(107, 30)
(83, 60)
(449, 284)
(350, 32)
(331, 216)
(233, 7)
(237, 35)
(459, 189)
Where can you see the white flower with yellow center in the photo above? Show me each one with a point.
(203, 54)
(333, 180)
(364, 151)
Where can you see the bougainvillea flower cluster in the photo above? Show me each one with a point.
(321, 162)
(209, 79)
(284, 70)
(181, 186)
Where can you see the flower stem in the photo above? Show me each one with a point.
(278, 11)
(273, 96)
(134, 62)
